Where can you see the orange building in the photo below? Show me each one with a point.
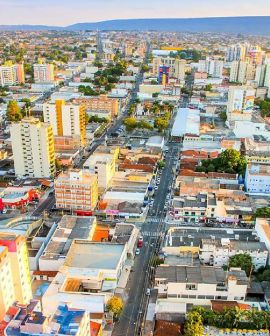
(76, 190)
(99, 104)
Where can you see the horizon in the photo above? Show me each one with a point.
(136, 18)
(66, 12)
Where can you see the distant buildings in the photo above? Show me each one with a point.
(11, 74)
(66, 119)
(236, 53)
(15, 282)
(241, 72)
(43, 73)
(76, 190)
(33, 148)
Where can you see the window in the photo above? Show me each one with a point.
(191, 287)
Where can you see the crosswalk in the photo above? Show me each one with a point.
(153, 220)
(150, 234)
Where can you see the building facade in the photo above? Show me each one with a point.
(43, 73)
(11, 74)
(33, 148)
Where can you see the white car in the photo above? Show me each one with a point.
(148, 292)
(138, 251)
(4, 211)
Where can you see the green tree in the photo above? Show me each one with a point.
(223, 116)
(194, 324)
(13, 111)
(161, 124)
(208, 87)
(262, 212)
(242, 260)
(115, 305)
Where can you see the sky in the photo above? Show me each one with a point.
(65, 12)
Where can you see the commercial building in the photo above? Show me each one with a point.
(163, 75)
(43, 73)
(257, 178)
(175, 65)
(99, 105)
(103, 165)
(195, 284)
(33, 148)
(187, 121)
(11, 74)
(69, 228)
(88, 278)
(66, 119)
(240, 103)
(15, 282)
(76, 190)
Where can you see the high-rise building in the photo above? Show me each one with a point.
(76, 190)
(176, 66)
(240, 103)
(15, 281)
(262, 76)
(66, 119)
(213, 68)
(43, 73)
(11, 74)
(33, 148)
(241, 72)
(236, 53)
(163, 76)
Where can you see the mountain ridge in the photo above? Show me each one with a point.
(257, 25)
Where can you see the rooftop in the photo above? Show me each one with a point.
(95, 255)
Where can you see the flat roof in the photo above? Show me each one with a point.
(186, 121)
(87, 254)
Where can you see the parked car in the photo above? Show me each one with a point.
(137, 252)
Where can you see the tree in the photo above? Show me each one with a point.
(242, 260)
(208, 87)
(115, 305)
(145, 68)
(262, 212)
(130, 123)
(194, 324)
(161, 124)
(14, 111)
(223, 116)
(161, 164)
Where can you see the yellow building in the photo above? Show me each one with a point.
(76, 190)
(100, 105)
(11, 74)
(15, 281)
(66, 119)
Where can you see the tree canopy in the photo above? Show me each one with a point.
(115, 305)
(194, 324)
(262, 212)
(242, 260)
(14, 112)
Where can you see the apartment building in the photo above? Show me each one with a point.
(195, 283)
(33, 148)
(262, 229)
(257, 178)
(176, 66)
(241, 72)
(257, 151)
(76, 190)
(236, 53)
(66, 119)
(217, 252)
(212, 67)
(102, 106)
(15, 282)
(43, 73)
(11, 74)
(240, 103)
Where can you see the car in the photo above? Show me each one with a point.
(156, 187)
(148, 291)
(137, 252)
(4, 211)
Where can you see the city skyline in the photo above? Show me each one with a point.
(62, 12)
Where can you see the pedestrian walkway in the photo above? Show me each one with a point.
(150, 234)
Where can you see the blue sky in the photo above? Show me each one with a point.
(64, 12)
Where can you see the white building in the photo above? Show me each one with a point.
(187, 121)
(217, 252)
(88, 277)
(240, 103)
(195, 283)
(236, 52)
(33, 148)
(11, 74)
(241, 72)
(257, 178)
(213, 68)
(262, 229)
(43, 73)
(177, 66)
